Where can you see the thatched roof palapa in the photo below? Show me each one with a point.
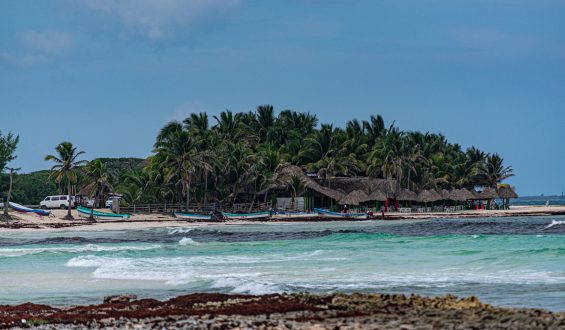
(365, 184)
(285, 175)
(487, 193)
(407, 195)
(354, 198)
(377, 195)
(461, 195)
(506, 192)
(445, 194)
(427, 196)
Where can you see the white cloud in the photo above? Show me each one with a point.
(185, 109)
(153, 18)
(37, 48)
(25, 60)
(50, 42)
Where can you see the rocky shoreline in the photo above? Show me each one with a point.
(296, 311)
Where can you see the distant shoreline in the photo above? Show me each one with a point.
(30, 222)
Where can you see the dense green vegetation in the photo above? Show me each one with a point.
(31, 188)
(195, 160)
(223, 158)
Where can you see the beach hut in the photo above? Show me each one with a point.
(406, 196)
(427, 196)
(445, 194)
(378, 196)
(355, 197)
(487, 194)
(506, 192)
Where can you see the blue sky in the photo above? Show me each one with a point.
(107, 75)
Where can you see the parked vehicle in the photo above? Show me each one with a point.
(59, 201)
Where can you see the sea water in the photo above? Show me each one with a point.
(504, 261)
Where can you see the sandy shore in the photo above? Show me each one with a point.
(298, 311)
(55, 222)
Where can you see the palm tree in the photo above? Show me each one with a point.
(494, 171)
(181, 159)
(98, 184)
(66, 167)
(6, 206)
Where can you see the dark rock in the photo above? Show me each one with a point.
(120, 299)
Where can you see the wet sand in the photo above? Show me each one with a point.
(299, 311)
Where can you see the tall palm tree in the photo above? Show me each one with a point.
(494, 171)
(12, 170)
(98, 184)
(66, 167)
(181, 159)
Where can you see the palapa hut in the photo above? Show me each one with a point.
(328, 192)
(427, 196)
(506, 192)
(378, 195)
(445, 194)
(488, 194)
(355, 197)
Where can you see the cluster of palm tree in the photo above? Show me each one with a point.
(195, 160)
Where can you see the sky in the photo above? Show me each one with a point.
(107, 75)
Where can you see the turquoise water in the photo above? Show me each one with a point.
(506, 262)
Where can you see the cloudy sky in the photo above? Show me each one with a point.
(107, 74)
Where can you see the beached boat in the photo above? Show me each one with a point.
(254, 215)
(294, 215)
(192, 216)
(329, 214)
(85, 212)
(23, 209)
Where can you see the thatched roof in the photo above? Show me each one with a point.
(365, 184)
(428, 196)
(461, 195)
(506, 192)
(378, 196)
(445, 194)
(407, 195)
(354, 198)
(285, 175)
(487, 193)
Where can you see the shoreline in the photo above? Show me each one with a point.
(295, 311)
(29, 222)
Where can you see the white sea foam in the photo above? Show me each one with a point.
(554, 223)
(188, 241)
(180, 230)
(17, 252)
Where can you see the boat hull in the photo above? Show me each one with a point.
(295, 215)
(192, 216)
(22, 209)
(335, 215)
(85, 213)
(241, 216)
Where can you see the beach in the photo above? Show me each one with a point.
(30, 221)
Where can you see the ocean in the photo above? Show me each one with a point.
(517, 262)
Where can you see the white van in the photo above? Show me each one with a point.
(60, 201)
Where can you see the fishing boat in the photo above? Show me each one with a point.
(336, 215)
(192, 216)
(23, 209)
(294, 215)
(240, 216)
(85, 212)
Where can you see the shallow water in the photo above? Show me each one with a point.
(507, 261)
